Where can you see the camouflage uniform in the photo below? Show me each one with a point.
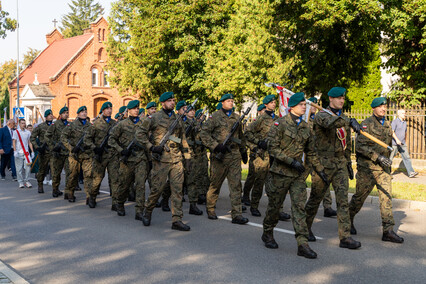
(201, 170)
(189, 179)
(334, 159)
(169, 165)
(70, 137)
(135, 170)
(43, 158)
(59, 159)
(370, 173)
(93, 139)
(214, 132)
(287, 142)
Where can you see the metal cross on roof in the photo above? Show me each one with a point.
(54, 22)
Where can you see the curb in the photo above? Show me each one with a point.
(10, 276)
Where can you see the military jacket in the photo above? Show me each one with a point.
(40, 132)
(287, 142)
(73, 133)
(122, 135)
(97, 133)
(328, 146)
(53, 135)
(153, 129)
(215, 130)
(258, 130)
(368, 151)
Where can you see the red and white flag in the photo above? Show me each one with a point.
(283, 95)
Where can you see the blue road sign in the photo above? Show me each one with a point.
(20, 114)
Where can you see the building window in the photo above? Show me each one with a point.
(101, 54)
(106, 83)
(98, 102)
(69, 79)
(75, 79)
(95, 77)
(103, 35)
(99, 35)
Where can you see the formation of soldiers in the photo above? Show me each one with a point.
(169, 148)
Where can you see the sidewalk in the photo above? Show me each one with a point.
(8, 275)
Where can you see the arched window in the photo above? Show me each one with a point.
(69, 79)
(99, 35)
(106, 74)
(103, 35)
(95, 76)
(75, 79)
(101, 54)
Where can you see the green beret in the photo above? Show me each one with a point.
(121, 109)
(64, 109)
(219, 106)
(133, 104)
(47, 112)
(105, 105)
(150, 105)
(296, 99)
(141, 110)
(180, 104)
(336, 92)
(117, 115)
(226, 97)
(260, 107)
(167, 95)
(378, 102)
(268, 99)
(81, 109)
(313, 99)
(198, 112)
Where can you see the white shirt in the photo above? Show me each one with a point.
(25, 136)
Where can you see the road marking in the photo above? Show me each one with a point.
(106, 192)
(261, 226)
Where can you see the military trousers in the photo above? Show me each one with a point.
(98, 173)
(261, 171)
(161, 174)
(327, 201)
(44, 164)
(248, 184)
(366, 179)
(229, 168)
(340, 181)
(74, 171)
(132, 173)
(201, 173)
(277, 188)
(58, 162)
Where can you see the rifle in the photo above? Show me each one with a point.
(171, 129)
(58, 147)
(79, 146)
(234, 128)
(42, 149)
(131, 147)
(190, 126)
(103, 145)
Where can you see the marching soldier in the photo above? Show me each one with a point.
(141, 113)
(105, 157)
(201, 171)
(288, 138)
(42, 147)
(133, 161)
(213, 133)
(374, 169)
(166, 165)
(333, 144)
(73, 139)
(59, 157)
(151, 108)
(122, 113)
(326, 203)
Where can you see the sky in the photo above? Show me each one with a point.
(35, 21)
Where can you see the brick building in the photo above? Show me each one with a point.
(68, 72)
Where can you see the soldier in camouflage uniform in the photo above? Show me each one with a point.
(333, 144)
(213, 134)
(105, 156)
(133, 160)
(166, 165)
(201, 170)
(70, 137)
(288, 138)
(141, 113)
(44, 152)
(374, 169)
(59, 157)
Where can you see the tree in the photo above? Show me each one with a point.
(403, 25)
(6, 24)
(83, 12)
(31, 54)
(7, 73)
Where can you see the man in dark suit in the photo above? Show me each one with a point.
(6, 149)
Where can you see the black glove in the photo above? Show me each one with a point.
(271, 161)
(350, 171)
(57, 148)
(157, 149)
(355, 125)
(75, 150)
(244, 157)
(98, 150)
(324, 178)
(220, 148)
(125, 153)
(188, 165)
(384, 162)
(262, 144)
(298, 166)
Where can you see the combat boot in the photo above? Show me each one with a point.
(114, 207)
(165, 205)
(245, 200)
(311, 236)
(202, 199)
(243, 208)
(120, 210)
(67, 196)
(255, 212)
(40, 188)
(132, 196)
(92, 202)
(391, 236)
(178, 225)
(330, 212)
(56, 193)
(284, 216)
(240, 220)
(353, 230)
(77, 188)
(194, 210)
(211, 215)
(306, 251)
(146, 218)
(349, 243)
(71, 198)
(158, 204)
(268, 239)
(139, 216)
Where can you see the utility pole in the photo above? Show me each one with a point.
(17, 60)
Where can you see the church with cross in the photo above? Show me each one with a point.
(69, 71)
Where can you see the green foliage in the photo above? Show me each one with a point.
(31, 54)
(4, 103)
(83, 12)
(7, 73)
(6, 24)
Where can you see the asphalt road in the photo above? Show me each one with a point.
(49, 240)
